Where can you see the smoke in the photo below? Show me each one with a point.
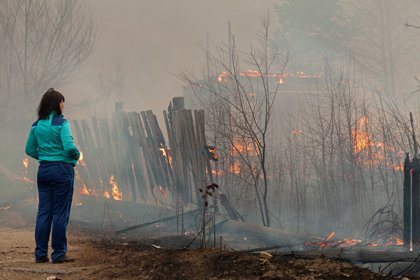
(152, 39)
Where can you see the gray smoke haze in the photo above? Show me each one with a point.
(150, 39)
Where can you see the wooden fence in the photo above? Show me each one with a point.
(128, 157)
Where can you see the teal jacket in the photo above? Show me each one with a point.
(51, 140)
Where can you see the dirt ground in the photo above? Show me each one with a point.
(101, 257)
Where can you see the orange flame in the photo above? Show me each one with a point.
(235, 167)
(106, 194)
(165, 153)
(217, 172)
(395, 241)
(330, 236)
(398, 167)
(222, 77)
(360, 135)
(116, 194)
(296, 132)
(25, 162)
(81, 159)
(241, 148)
(84, 190)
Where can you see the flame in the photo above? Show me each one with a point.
(360, 135)
(217, 172)
(330, 236)
(25, 162)
(26, 179)
(84, 190)
(81, 159)
(395, 241)
(106, 194)
(250, 73)
(166, 153)
(222, 77)
(235, 167)
(116, 194)
(296, 132)
(377, 151)
(350, 242)
(281, 77)
(240, 148)
(212, 152)
(398, 167)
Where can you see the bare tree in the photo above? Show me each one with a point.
(374, 32)
(41, 44)
(110, 81)
(239, 105)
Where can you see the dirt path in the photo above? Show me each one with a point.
(17, 259)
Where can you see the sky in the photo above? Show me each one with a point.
(152, 39)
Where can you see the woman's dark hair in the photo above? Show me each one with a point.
(50, 102)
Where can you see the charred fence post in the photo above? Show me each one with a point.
(407, 200)
(411, 206)
(415, 193)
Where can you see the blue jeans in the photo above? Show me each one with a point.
(55, 192)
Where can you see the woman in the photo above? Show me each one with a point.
(51, 143)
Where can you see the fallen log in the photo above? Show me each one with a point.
(242, 236)
(155, 222)
(357, 255)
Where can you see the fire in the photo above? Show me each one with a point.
(250, 73)
(84, 190)
(81, 159)
(377, 151)
(165, 153)
(217, 172)
(235, 167)
(222, 77)
(325, 242)
(395, 241)
(360, 135)
(116, 194)
(106, 194)
(330, 236)
(398, 167)
(350, 242)
(296, 132)
(25, 162)
(240, 148)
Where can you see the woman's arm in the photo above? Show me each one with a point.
(31, 148)
(68, 142)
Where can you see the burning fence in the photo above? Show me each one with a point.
(128, 158)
